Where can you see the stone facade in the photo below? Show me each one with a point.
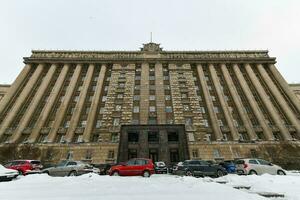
(232, 104)
(296, 89)
(3, 90)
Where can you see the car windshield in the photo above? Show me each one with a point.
(62, 163)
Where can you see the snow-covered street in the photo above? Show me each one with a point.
(166, 187)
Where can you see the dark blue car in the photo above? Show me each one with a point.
(229, 165)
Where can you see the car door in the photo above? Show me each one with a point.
(254, 165)
(207, 168)
(128, 168)
(69, 167)
(266, 167)
(139, 166)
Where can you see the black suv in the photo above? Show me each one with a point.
(199, 168)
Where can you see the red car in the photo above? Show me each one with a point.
(25, 166)
(134, 167)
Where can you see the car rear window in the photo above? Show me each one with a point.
(35, 162)
(253, 162)
(141, 162)
(240, 162)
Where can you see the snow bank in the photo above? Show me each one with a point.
(166, 187)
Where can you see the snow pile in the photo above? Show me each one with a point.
(166, 187)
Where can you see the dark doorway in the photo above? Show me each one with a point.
(174, 155)
(153, 155)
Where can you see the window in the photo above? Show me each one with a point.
(96, 138)
(135, 121)
(121, 85)
(168, 97)
(133, 136)
(202, 110)
(105, 88)
(209, 87)
(102, 110)
(153, 136)
(253, 153)
(118, 108)
(152, 108)
(217, 153)
(79, 88)
(188, 121)
(220, 122)
(168, 109)
(205, 122)
(186, 107)
(98, 123)
(67, 124)
(226, 98)
(114, 137)
(111, 154)
(167, 87)
(104, 98)
(69, 155)
(253, 162)
(87, 110)
(191, 137)
(90, 98)
(136, 109)
(83, 123)
(96, 78)
(88, 154)
(216, 109)
(173, 137)
(137, 87)
(174, 155)
(116, 121)
(236, 124)
(120, 96)
(195, 153)
(76, 98)
(263, 162)
(152, 87)
(152, 97)
(213, 98)
(137, 78)
(152, 120)
(94, 88)
(225, 137)
(151, 78)
(170, 121)
(166, 78)
(184, 95)
(207, 137)
(136, 97)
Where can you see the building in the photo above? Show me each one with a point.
(3, 90)
(296, 89)
(108, 106)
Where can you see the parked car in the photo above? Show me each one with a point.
(160, 168)
(229, 165)
(134, 167)
(103, 168)
(199, 168)
(25, 167)
(174, 167)
(258, 167)
(7, 174)
(70, 168)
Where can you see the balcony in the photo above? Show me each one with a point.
(62, 130)
(27, 130)
(45, 130)
(79, 130)
(224, 128)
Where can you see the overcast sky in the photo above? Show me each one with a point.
(124, 25)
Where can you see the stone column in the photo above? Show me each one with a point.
(144, 94)
(160, 94)
(280, 100)
(34, 103)
(285, 87)
(95, 102)
(209, 104)
(64, 105)
(256, 110)
(50, 103)
(80, 104)
(266, 101)
(14, 88)
(21, 99)
(227, 114)
(238, 103)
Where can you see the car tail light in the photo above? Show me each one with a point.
(245, 165)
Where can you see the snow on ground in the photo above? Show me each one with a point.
(165, 187)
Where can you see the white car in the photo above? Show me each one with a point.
(7, 174)
(258, 167)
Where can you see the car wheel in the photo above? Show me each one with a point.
(252, 172)
(73, 173)
(220, 173)
(280, 172)
(189, 173)
(115, 173)
(146, 174)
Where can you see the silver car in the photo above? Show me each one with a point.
(257, 166)
(70, 168)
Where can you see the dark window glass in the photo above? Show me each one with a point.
(172, 136)
(153, 136)
(133, 137)
(253, 162)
